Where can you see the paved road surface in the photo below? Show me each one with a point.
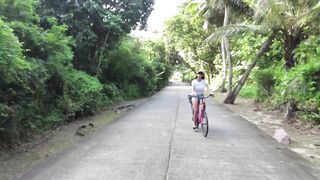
(156, 141)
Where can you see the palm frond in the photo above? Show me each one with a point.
(216, 4)
(238, 6)
(298, 84)
(192, 6)
(275, 13)
(262, 8)
(233, 30)
(203, 9)
(213, 12)
(309, 16)
(275, 8)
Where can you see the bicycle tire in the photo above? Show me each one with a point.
(205, 125)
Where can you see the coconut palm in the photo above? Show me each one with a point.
(217, 12)
(287, 20)
(290, 18)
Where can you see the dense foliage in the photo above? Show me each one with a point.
(60, 60)
(274, 47)
(184, 34)
(96, 25)
(300, 84)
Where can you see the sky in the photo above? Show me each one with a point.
(163, 9)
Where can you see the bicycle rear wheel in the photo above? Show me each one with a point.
(205, 125)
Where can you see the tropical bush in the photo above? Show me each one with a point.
(57, 65)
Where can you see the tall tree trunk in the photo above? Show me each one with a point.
(188, 65)
(227, 51)
(290, 44)
(224, 68)
(264, 48)
(211, 72)
(289, 111)
(229, 63)
(101, 54)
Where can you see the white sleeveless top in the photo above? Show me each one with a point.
(198, 86)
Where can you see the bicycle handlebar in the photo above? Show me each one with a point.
(210, 95)
(191, 96)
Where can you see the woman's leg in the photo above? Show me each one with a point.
(195, 111)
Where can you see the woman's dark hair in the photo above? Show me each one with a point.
(200, 72)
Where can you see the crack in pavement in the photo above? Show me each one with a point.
(171, 138)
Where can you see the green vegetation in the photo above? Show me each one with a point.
(269, 50)
(61, 60)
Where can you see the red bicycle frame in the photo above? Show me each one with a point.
(201, 109)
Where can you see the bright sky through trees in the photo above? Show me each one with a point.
(163, 9)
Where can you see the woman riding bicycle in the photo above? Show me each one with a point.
(198, 85)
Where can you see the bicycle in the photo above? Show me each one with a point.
(202, 118)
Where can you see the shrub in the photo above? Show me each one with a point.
(112, 93)
(82, 94)
(265, 82)
(135, 72)
(248, 91)
(21, 87)
(301, 84)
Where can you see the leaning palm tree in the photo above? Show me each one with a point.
(287, 20)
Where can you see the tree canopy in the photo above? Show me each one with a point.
(272, 47)
(60, 60)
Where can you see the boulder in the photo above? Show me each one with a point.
(281, 136)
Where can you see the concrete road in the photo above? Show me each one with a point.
(156, 141)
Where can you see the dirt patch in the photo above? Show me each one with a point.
(13, 163)
(305, 139)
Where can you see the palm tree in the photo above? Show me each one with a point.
(218, 12)
(290, 18)
(287, 20)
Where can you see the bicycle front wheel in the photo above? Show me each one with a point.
(205, 125)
